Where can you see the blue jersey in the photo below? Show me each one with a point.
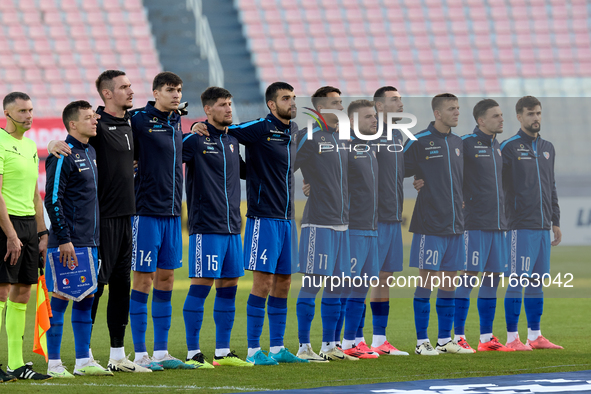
(212, 182)
(363, 189)
(528, 180)
(437, 159)
(158, 148)
(391, 178)
(325, 168)
(71, 197)
(269, 170)
(483, 186)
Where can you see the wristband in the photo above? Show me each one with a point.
(42, 233)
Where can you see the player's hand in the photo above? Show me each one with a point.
(557, 235)
(418, 184)
(200, 129)
(58, 148)
(68, 255)
(43, 247)
(13, 249)
(306, 188)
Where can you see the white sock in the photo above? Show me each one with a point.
(485, 337)
(378, 340)
(443, 341)
(191, 353)
(358, 340)
(139, 356)
(326, 346)
(53, 363)
(90, 354)
(222, 352)
(117, 353)
(81, 361)
(511, 336)
(532, 335)
(458, 337)
(252, 351)
(160, 354)
(348, 344)
(304, 347)
(336, 343)
(276, 349)
(420, 341)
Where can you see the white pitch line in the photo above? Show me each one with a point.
(162, 386)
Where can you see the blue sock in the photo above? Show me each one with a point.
(255, 320)
(361, 323)
(355, 305)
(330, 312)
(161, 317)
(82, 326)
(534, 306)
(341, 321)
(277, 311)
(462, 307)
(305, 311)
(193, 314)
(422, 309)
(224, 310)
(380, 311)
(445, 307)
(513, 300)
(138, 317)
(54, 334)
(487, 304)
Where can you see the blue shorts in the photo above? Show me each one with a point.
(267, 245)
(390, 246)
(295, 261)
(215, 256)
(530, 252)
(49, 272)
(157, 243)
(486, 251)
(364, 255)
(324, 251)
(438, 253)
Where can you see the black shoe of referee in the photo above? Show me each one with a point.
(4, 377)
(26, 372)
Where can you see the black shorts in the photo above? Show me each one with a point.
(26, 269)
(115, 250)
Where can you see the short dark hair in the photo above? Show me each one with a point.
(355, 105)
(271, 92)
(12, 97)
(528, 102)
(321, 93)
(71, 112)
(105, 81)
(212, 94)
(482, 106)
(381, 92)
(438, 100)
(166, 78)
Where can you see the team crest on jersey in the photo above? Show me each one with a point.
(431, 143)
(457, 151)
(546, 155)
(322, 138)
(232, 147)
(207, 139)
(521, 146)
(77, 156)
(479, 142)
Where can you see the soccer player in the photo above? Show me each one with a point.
(268, 238)
(532, 209)
(23, 235)
(215, 247)
(157, 240)
(363, 223)
(115, 153)
(437, 248)
(324, 239)
(387, 100)
(485, 222)
(71, 201)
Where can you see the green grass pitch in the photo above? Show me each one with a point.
(566, 321)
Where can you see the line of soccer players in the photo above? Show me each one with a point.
(351, 223)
